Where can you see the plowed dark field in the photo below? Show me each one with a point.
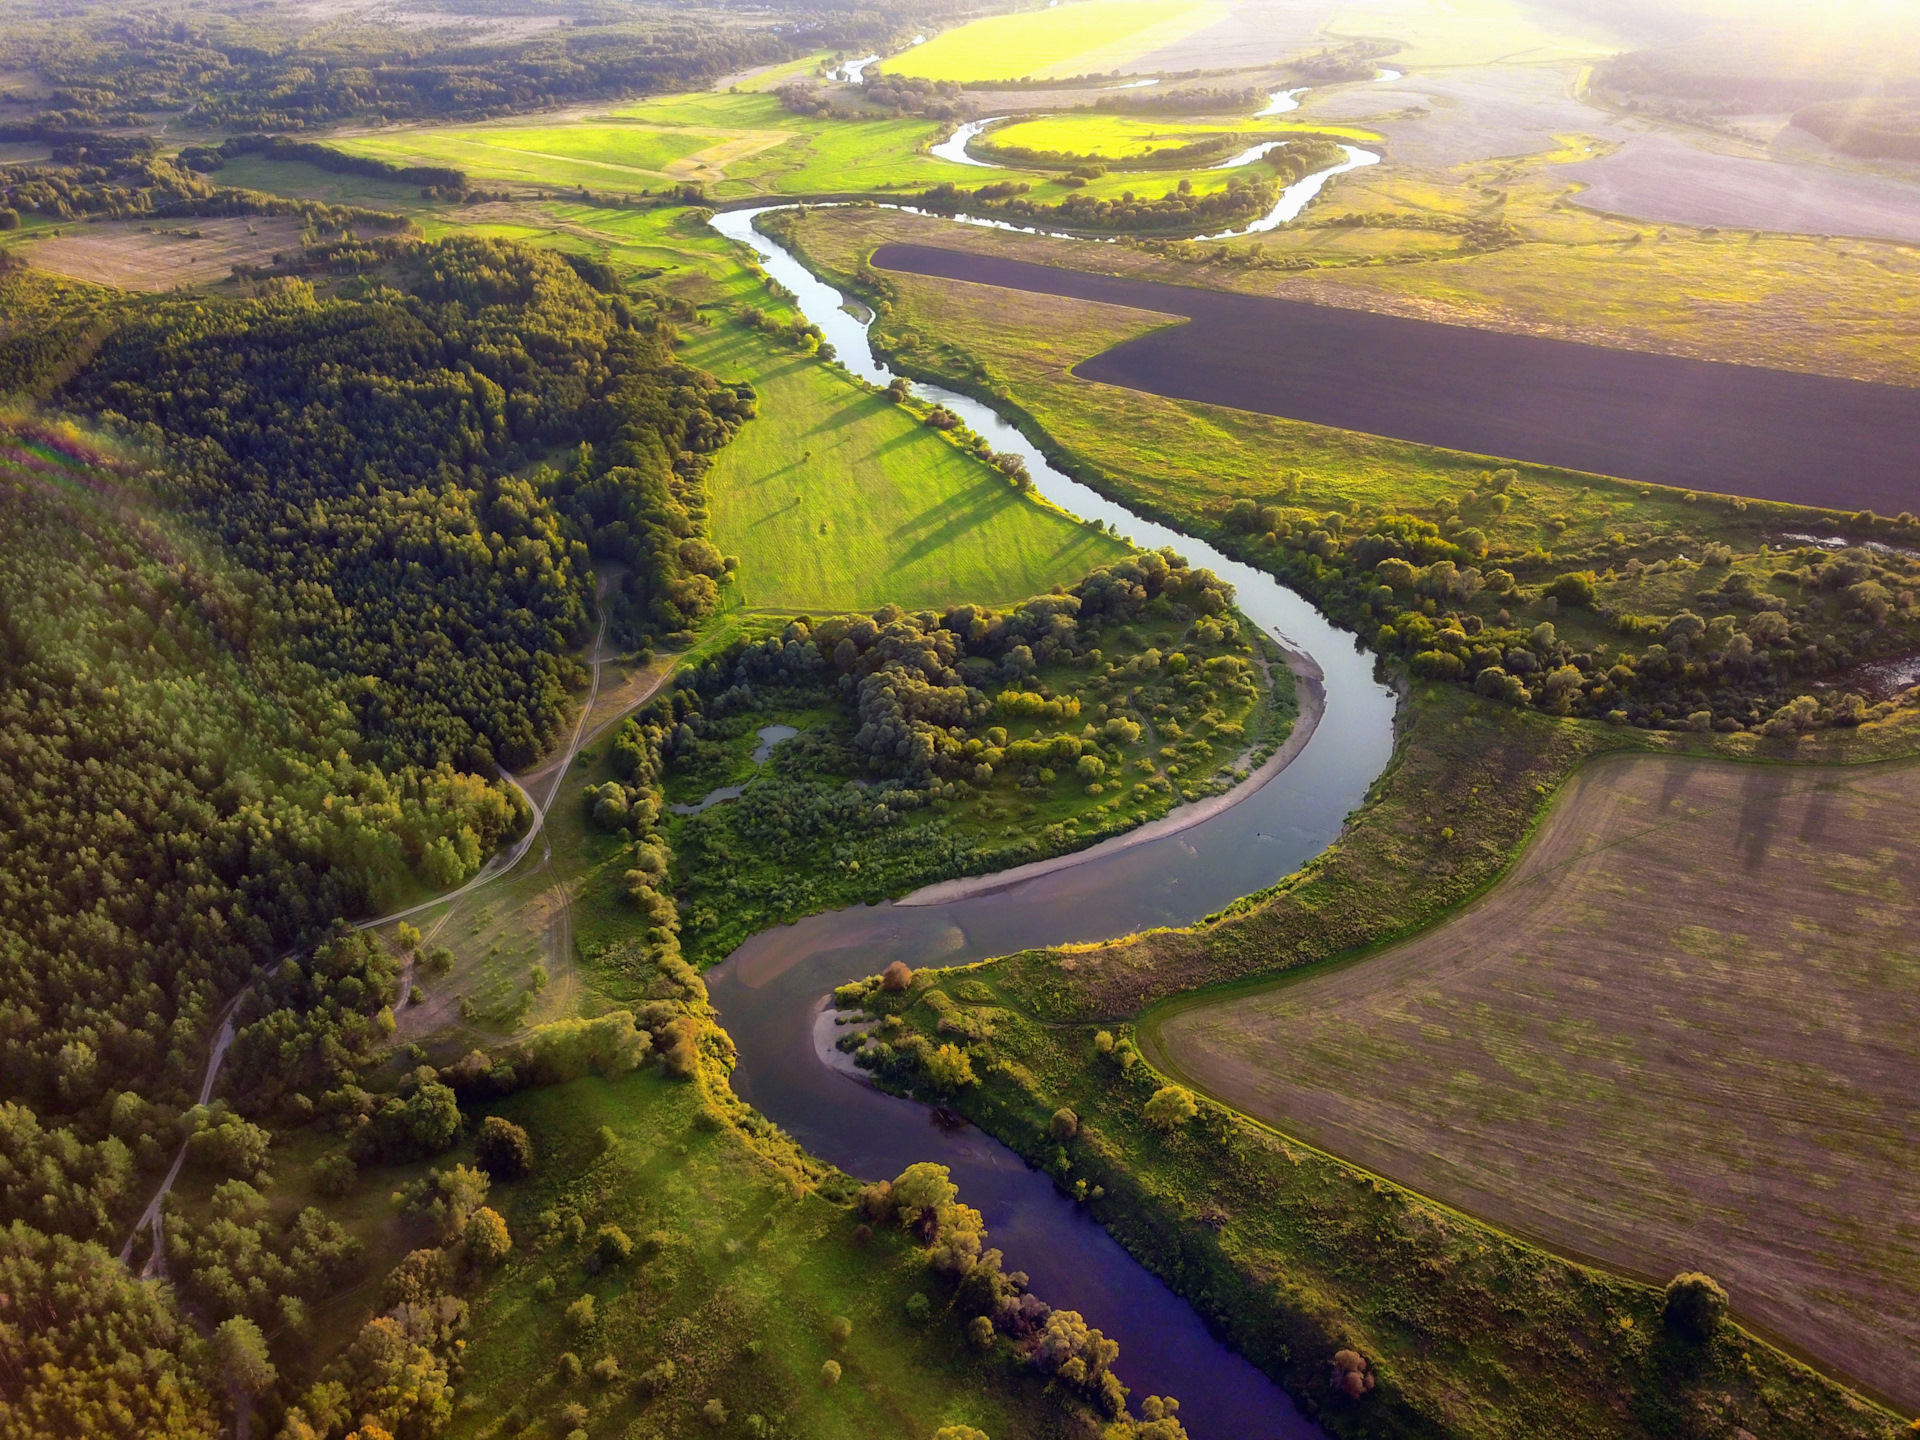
(1693, 424)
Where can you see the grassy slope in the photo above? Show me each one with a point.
(739, 1298)
(836, 498)
(1082, 38)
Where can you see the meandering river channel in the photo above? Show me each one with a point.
(772, 991)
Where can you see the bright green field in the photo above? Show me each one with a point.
(838, 499)
(1118, 137)
(733, 144)
(1087, 38)
(738, 1290)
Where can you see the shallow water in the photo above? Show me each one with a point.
(769, 991)
(954, 147)
(770, 736)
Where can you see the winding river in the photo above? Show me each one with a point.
(772, 992)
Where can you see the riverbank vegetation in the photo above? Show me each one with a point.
(1571, 593)
(935, 745)
(1477, 1081)
(1320, 1271)
(1080, 137)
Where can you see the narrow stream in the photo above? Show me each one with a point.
(771, 991)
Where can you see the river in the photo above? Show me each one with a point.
(770, 992)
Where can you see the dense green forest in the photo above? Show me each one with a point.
(266, 638)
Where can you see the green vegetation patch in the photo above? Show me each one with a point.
(934, 745)
(1084, 38)
(733, 1303)
(838, 498)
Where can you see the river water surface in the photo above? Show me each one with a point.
(771, 991)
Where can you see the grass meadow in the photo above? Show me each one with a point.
(1124, 137)
(736, 1281)
(1676, 1036)
(836, 498)
(1086, 37)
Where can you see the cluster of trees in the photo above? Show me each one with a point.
(799, 332)
(113, 180)
(361, 455)
(993, 1302)
(1245, 197)
(884, 94)
(240, 1262)
(311, 1022)
(1424, 593)
(177, 800)
(273, 69)
(86, 1349)
(1877, 128)
(326, 157)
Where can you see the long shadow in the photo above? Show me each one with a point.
(1693, 424)
(951, 519)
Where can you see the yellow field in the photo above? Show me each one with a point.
(1086, 38)
(1116, 137)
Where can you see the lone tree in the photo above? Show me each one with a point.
(240, 1352)
(504, 1150)
(1170, 1108)
(1696, 1306)
(896, 977)
(487, 1239)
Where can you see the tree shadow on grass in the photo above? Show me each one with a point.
(947, 522)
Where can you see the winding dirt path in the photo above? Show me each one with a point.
(548, 776)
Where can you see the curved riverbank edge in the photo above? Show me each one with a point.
(1310, 681)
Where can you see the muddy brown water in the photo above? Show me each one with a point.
(770, 991)
(1694, 424)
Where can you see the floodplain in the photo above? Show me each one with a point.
(1679, 1035)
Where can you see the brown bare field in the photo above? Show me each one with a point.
(1684, 1033)
(164, 254)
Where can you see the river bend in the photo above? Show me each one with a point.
(771, 991)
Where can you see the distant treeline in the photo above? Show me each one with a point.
(1877, 129)
(325, 157)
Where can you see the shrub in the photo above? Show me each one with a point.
(1696, 1306)
(959, 1432)
(611, 1244)
(980, 1332)
(896, 977)
(580, 1313)
(606, 1370)
(830, 1374)
(1349, 1374)
(714, 1413)
(333, 1175)
(840, 1330)
(568, 1365)
(1064, 1125)
(231, 1146)
(948, 1068)
(488, 1241)
(1170, 1108)
(918, 1307)
(503, 1149)
(656, 1379)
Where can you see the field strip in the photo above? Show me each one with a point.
(1679, 1033)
